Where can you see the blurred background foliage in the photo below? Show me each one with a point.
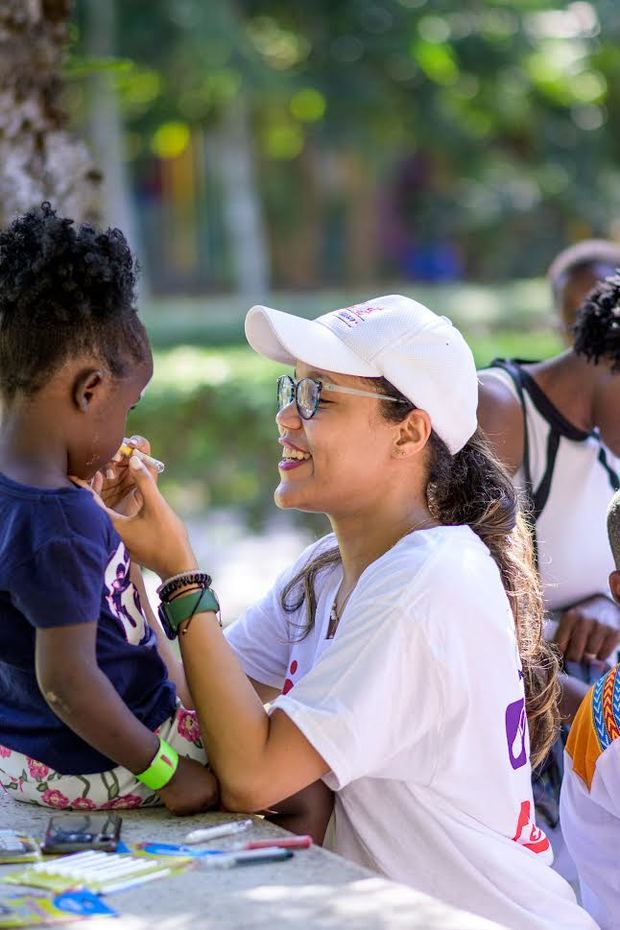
(327, 151)
(288, 144)
(210, 409)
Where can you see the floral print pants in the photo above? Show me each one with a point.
(28, 780)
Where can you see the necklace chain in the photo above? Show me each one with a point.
(335, 614)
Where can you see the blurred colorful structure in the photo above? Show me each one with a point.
(294, 145)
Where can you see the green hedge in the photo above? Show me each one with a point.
(209, 414)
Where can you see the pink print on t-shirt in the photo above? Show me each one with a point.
(288, 684)
(527, 833)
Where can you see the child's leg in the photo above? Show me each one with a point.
(28, 780)
(308, 811)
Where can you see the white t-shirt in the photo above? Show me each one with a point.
(417, 707)
(590, 799)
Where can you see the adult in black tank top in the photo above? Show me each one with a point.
(583, 391)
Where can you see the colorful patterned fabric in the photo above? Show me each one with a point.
(28, 780)
(590, 800)
(596, 726)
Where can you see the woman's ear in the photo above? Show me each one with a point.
(87, 385)
(412, 434)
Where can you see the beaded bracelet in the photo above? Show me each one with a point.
(182, 580)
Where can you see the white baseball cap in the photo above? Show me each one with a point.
(394, 337)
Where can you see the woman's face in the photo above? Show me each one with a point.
(341, 460)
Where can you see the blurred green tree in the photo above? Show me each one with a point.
(415, 137)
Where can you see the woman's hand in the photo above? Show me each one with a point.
(153, 533)
(115, 483)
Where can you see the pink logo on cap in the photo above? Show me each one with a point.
(351, 316)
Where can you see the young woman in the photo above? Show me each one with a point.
(374, 648)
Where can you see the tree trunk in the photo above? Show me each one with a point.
(105, 124)
(234, 164)
(39, 159)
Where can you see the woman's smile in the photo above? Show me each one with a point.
(292, 456)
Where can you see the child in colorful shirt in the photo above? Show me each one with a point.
(590, 800)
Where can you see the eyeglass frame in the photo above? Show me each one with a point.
(322, 386)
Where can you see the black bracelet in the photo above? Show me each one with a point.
(181, 581)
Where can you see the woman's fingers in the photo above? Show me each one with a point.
(139, 442)
(87, 486)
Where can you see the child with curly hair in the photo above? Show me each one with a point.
(89, 714)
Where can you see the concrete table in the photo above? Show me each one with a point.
(316, 890)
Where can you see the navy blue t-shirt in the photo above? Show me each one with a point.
(62, 562)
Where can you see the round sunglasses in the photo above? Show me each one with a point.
(307, 394)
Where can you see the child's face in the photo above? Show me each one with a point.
(98, 438)
(614, 585)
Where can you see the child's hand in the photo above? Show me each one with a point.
(191, 790)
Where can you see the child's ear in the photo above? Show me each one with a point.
(86, 385)
(614, 584)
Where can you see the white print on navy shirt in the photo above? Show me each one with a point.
(122, 598)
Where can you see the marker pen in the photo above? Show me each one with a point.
(139, 880)
(284, 842)
(246, 857)
(223, 829)
(127, 451)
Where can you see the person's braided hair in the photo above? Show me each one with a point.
(597, 328)
(64, 291)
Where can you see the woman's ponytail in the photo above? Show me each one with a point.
(472, 487)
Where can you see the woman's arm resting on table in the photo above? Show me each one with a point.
(259, 759)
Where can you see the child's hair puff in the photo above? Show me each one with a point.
(64, 291)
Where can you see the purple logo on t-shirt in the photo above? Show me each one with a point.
(122, 598)
(516, 729)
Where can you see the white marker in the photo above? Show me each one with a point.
(223, 829)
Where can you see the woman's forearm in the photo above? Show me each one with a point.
(258, 759)
(173, 664)
(233, 722)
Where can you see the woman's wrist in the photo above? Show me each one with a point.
(185, 564)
